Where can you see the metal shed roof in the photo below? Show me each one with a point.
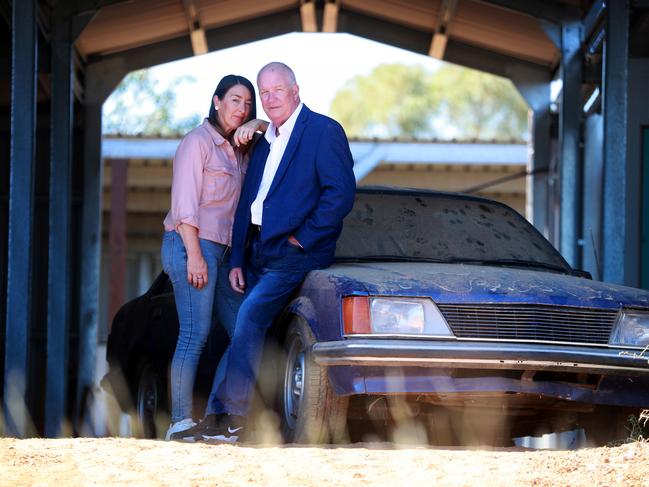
(495, 26)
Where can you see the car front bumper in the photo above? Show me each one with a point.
(481, 355)
(445, 372)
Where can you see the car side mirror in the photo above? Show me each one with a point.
(582, 273)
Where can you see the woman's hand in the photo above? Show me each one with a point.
(196, 265)
(197, 271)
(245, 133)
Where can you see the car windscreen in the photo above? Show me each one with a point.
(438, 227)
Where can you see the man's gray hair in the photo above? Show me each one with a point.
(277, 66)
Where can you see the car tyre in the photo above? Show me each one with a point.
(149, 403)
(310, 410)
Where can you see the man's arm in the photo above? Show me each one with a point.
(240, 230)
(334, 165)
(239, 234)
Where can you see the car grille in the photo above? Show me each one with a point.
(530, 322)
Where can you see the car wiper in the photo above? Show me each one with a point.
(389, 258)
(514, 262)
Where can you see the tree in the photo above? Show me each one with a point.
(395, 99)
(138, 106)
(398, 100)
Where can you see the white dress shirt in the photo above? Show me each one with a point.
(278, 145)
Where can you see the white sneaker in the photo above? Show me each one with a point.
(178, 426)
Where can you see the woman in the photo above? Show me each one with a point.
(208, 171)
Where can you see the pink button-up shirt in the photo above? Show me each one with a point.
(207, 178)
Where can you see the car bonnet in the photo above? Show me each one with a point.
(466, 283)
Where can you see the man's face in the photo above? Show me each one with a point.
(278, 97)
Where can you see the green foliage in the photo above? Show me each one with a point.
(138, 106)
(393, 100)
(397, 100)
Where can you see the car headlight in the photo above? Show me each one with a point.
(631, 329)
(393, 316)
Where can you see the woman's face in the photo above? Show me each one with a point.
(234, 108)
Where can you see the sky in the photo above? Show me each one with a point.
(322, 64)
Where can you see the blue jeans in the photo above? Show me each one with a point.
(270, 283)
(196, 313)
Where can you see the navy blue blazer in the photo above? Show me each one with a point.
(311, 193)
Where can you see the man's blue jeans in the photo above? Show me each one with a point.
(196, 313)
(270, 283)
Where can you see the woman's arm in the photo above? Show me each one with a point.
(246, 132)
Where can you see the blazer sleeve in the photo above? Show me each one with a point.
(335, 171)
(239, 233)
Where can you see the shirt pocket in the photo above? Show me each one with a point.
(219, 184)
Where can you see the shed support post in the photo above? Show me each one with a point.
(617, 209)
(24, 67)
(101, 80)
(58, 285)
(535, 90)
(569, 140)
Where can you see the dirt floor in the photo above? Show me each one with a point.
(120, 461)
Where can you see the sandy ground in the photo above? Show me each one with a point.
(120, 461)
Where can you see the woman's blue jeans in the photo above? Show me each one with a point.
(197, 309)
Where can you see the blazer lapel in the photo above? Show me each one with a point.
(256, 166)
(291, 147)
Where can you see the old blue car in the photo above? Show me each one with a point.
(444, 311)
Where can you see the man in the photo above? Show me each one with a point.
(299, 187)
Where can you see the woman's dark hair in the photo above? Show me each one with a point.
(223, 87)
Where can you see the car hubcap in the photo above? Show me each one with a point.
(293, 382)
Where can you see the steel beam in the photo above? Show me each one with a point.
(593, 17)
(617, 211)
(115, 66)
(549, 10)
(553, 31)
(58, 281)
(536, 92)
(419, 41)
(384, 31)
(253, 30)
(569, 140)
(90, 240)
(21, 215)
(282, 22)
(491, 62)
(592, 198)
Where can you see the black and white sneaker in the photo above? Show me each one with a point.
(193, 434)
(224, 427)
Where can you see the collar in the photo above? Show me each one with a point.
(217, 138)
(286, 127)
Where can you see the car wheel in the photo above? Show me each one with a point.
(149, 403)
(311, 412)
